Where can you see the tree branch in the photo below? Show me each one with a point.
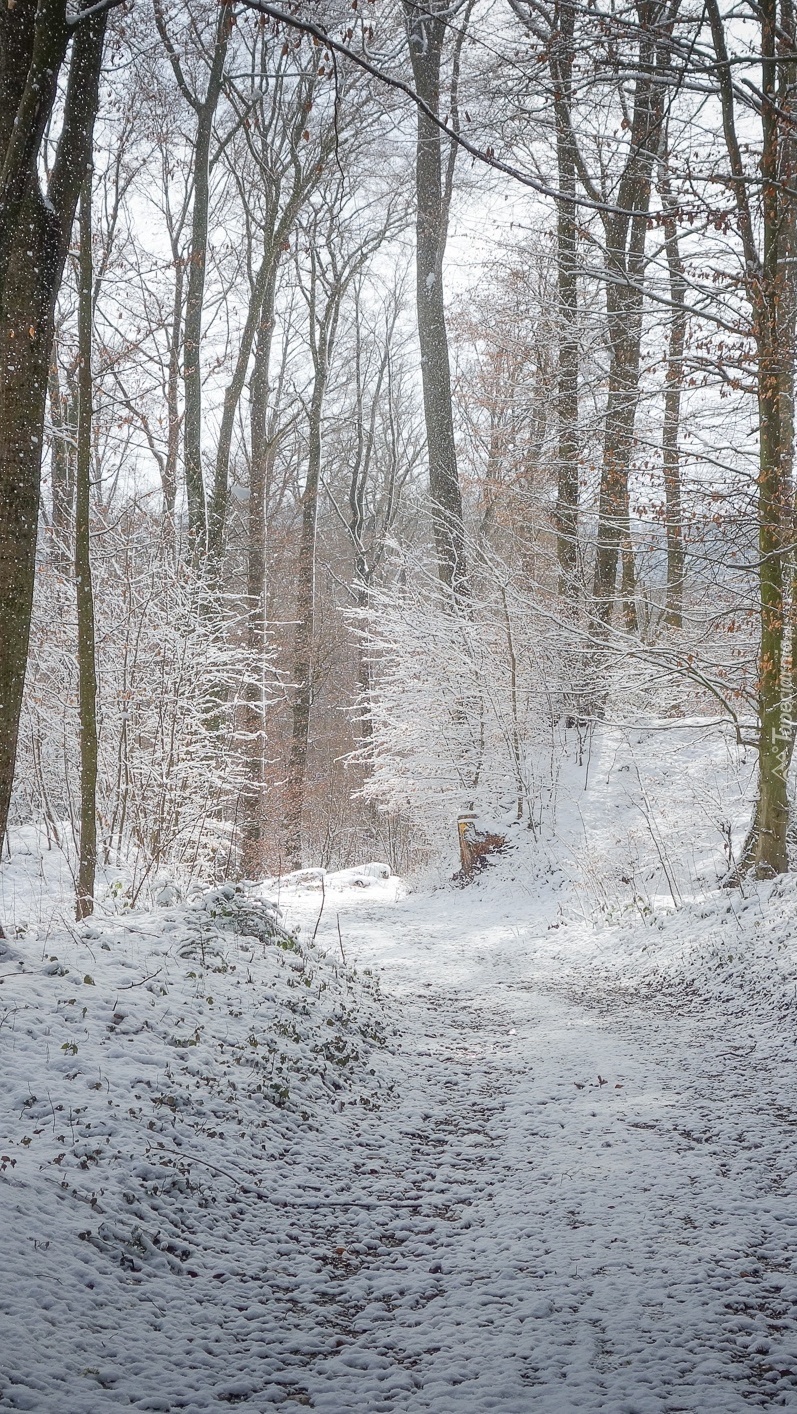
(485, 156)
(91, 11)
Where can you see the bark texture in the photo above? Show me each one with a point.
(625, 233)
(771, 283)
(673, 388)
(567, 489)
(86, 645)
(427, 28)
(35, 229)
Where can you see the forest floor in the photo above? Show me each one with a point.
(466, 1149)
(605, 1161)
(550, 1177)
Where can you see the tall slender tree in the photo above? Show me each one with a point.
(673, 393)
(428, 25)
(553, 27)
(205, 106)
(86, 644)
(333, 265)
(765, 202)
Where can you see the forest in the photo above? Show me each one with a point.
(384, 390)
(398, 706)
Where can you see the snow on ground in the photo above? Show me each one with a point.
(465, 1150)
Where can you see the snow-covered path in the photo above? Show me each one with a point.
(606, 1192)
(555, 1193)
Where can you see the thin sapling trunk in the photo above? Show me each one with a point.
(86, 645)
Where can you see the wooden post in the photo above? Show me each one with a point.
(466, 829)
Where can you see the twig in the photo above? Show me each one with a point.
(340, 940)
(79, 939)
(290, 1202)
(321, 909)
(144, 980)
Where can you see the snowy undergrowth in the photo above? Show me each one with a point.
(627, 888)
(733, 948)
(736, 950)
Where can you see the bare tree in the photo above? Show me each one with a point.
(86, 643)
(41, 46)
(553, 26)
(673, 392)
(428, 25)
(766, 221)
(284, 167)
(204, 106)
(331, 269)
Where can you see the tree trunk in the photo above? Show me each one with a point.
(673, 388)
(262, 295)
(34, 238)
(566, 513)
(205, 110)
(768, 852)
(771, 292)
(192, 338)
(305, 618)
(86, 646)
(426, 31)
(330, 278)
(254, 712)
(364, 559)
(625, 235)
(613, 534)
(62, 421)
(172, 408)
(24, 367)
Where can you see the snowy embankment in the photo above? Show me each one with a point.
(174, 1088)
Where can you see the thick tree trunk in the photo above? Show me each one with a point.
(34, 236)
(625, 270)
(767, 849)
(426, 32)
(26, 335)
(86, 646)
(613, 533)
(771, 290)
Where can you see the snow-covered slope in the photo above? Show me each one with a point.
(174, 1084)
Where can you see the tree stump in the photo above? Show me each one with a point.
(475, 845)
